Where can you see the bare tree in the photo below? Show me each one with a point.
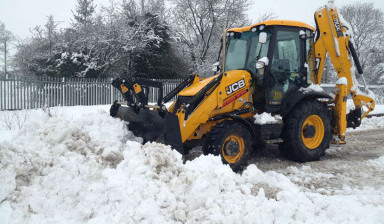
(200, 23)
(5, 38)
(37, 32)
(50, 28)
(13, 120)
(367, 25)
(84, 13)
(268, 15)
(134, 8)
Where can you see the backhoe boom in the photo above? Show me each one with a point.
(334, 38)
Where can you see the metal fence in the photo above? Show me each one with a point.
(17, 93)
(378, 90)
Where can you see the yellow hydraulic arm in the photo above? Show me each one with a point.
(332, 37)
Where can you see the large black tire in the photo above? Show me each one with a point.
(307, 131)
(232, 141)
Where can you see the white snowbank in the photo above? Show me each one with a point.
(83, 166)
(369, 124)
(378, 163)
(267, 118)
(379, 109)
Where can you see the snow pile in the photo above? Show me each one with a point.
(267, 118)
(369, 124)
(85, 167)
(379, 109)
(378, 163)
(350, 105)
(306, 175)
(312, 88)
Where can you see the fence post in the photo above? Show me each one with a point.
(111, 92)
(63, 91)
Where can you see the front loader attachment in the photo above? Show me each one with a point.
(147, 124)
(151, 122)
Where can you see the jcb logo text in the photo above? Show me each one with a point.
(235, 86)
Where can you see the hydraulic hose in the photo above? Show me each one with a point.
(355, 58)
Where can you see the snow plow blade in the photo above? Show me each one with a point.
(149, 125)
(151, 122)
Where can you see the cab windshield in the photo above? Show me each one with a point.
(244, 50)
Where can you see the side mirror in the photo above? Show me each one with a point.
(263, 37)
(216, 67)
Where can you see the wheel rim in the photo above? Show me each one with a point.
(312, 140)
(233, 148)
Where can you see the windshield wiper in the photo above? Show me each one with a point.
(252, 63)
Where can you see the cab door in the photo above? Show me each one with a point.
(287, 72)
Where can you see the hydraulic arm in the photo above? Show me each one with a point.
(334, 38)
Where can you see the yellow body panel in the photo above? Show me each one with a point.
(123, 88)
(274, 23)
(340, 111)
(137, 88)
(172, 107)
(201, 130)
(334, 42)
(197, 124)
(336, 47)
(196, 87)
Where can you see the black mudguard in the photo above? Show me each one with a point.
(297, 96)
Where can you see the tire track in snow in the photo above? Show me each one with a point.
(343, 167)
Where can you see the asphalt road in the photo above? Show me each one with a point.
(350, 165)
(343, 166)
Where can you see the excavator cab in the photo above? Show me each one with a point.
(276, 54)
(287, 72)
(244, 50)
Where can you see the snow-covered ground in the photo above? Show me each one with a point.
(81, 165)
(379, 109)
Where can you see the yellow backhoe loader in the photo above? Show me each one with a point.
(271, 67)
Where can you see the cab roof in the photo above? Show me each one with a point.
(274, 23)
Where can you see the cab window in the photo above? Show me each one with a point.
(286, 64)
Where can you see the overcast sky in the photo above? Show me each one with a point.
(20, 15)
